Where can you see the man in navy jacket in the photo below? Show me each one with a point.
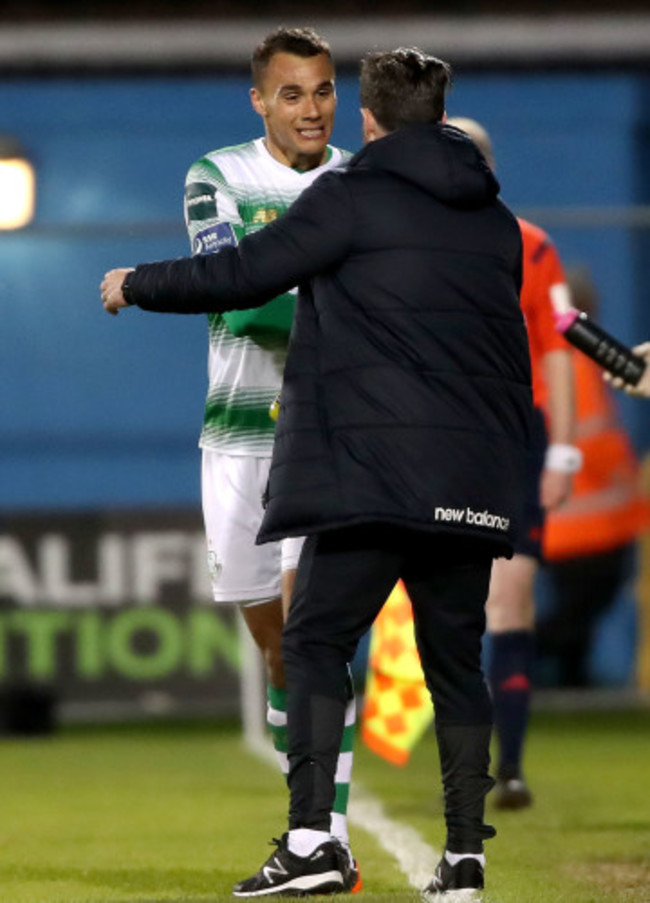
(402, 431)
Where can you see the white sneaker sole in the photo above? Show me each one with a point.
(327, 883)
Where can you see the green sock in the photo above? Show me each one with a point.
(276, 718)
(344, 774)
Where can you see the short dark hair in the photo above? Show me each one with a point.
(303, 42)
(404, 86)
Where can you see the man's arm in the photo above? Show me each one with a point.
(557, 476)
(562, 458)
(314, 235)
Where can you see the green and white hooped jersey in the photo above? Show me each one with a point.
(230, 193)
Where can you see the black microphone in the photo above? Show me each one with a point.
(600, 346)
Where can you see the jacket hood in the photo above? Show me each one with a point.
(438, 158)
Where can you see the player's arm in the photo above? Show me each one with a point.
(314, 235)
(562, 458)
(214, 221)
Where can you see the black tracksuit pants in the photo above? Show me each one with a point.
(344, 577)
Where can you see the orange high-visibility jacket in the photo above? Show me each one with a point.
(606, 508)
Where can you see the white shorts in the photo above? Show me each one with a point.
(240, 571)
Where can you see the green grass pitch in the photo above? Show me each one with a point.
(177, 813)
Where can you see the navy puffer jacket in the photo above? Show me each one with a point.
(406, 395)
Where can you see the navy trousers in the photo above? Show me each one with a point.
(344, 577)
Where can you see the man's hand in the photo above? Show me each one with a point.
(555, 488)
(111, 289)
(642, 388)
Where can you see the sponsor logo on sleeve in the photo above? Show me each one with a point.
(472, 518)
(213, 239)
(201, 201)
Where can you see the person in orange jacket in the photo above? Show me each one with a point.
(552, 462)
(589, 541)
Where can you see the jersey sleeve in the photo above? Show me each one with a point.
(544, 280)
(211, 213)
(214, 222)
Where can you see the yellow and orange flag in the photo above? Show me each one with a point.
(397, 707)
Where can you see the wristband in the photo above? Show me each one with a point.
(563, 458)
(126, 289)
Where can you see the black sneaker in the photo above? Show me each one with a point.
(297, 876)
(352, 883)
(460, 882)
(512, 793)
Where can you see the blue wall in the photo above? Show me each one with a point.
(96, 410)
(579, 140)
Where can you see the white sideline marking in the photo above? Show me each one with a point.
(415, 858)
(262, 748)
